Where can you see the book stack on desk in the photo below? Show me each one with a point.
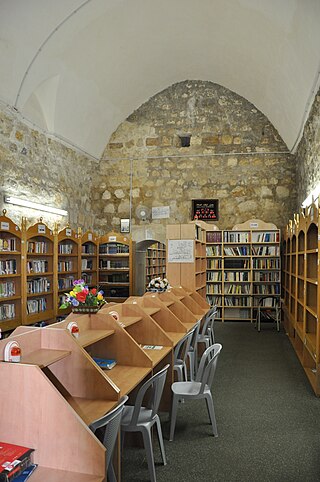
(15, 463)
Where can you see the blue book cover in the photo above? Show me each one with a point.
(105, 362)
(25, 474)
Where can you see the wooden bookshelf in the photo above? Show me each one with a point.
(155, 261)
(301, 292)
(67, 258)
(89, 258)
(243, 265)
(116, 264)
(186, 259)
(39, 273)
(10, 274)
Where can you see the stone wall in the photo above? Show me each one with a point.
(235, 155)
(40, 169)
(308, 155)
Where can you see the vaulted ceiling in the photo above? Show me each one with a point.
(78, 68)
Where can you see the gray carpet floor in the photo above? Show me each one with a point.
(267, 415)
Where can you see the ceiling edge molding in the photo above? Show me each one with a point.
(313, 92)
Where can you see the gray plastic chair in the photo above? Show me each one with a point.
(206, 334)
(106, 430)
(193, 351)
(141, 419)
(180, 356)
(198, 389)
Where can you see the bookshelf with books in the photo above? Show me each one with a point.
(67, 257)
(39, 271)
(243, 265)
(89, 258)
(116, 255)
(301, 293)
(214, 274)
(155, 261)
(10, 274)
(186, 259)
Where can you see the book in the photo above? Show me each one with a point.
(105, 363)
(152, 347)
(26, 473)
(13, 460)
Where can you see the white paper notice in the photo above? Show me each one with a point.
(180, 251)
(161, 212)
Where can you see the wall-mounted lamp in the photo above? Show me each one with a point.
(29, 204)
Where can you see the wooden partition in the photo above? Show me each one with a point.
(57, 391)
(192, 305)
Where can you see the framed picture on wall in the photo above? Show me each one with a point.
(124, 225)
(205, 209)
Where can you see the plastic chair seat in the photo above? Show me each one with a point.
(185, 389)
(144, 417)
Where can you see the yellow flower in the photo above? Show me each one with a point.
(99, 297)
(72, 293)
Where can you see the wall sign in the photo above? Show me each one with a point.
(180, 251)
(205, 209)
(125, 225)
(161, 212)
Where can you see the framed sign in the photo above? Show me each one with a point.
(125, 226)
(205, 209)
(180, 251)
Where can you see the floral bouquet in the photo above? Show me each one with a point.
(81, 298)
(158, 284)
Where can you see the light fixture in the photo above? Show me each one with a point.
(29, 204)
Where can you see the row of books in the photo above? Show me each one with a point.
(266, 263)
(236, 276)
(213, 250)
(236, 237)
(237, 301)
(7, 288)
(113, 248)
(38, 285)
(237, 289)
(8, 266)
(37, 247)
(113, 264)
(65, 266)
(87, 278)
(272, 237)
(36, 306)
(266, 276)
(214, 276)
(88, 249)
(266, 289)
(37, 266)
(214, 263)
(265, 250)
(65, 283)
(237, 251)
(87, 264)
(214, 236)
(65, 248)
(7, 311)
(8, 244)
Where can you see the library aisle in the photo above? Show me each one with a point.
(267, 415)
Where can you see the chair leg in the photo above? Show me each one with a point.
(212, 416)
(191, 356)
(160, 438)
(174, 409)
(111, 473)
(149, 452)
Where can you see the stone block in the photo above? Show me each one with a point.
(152, 141)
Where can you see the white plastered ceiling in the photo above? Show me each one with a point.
(78, 68)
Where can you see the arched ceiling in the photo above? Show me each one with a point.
(78, 68)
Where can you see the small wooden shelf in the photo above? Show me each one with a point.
(44, 357)
(89, 337)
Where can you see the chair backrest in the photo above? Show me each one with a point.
(208, 365)
(195, 333)
(207, 320)
(183, 346)
(107, 427)
(156, 384)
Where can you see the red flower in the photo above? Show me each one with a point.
(81, 297)
(85, 291)
(94, 291)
